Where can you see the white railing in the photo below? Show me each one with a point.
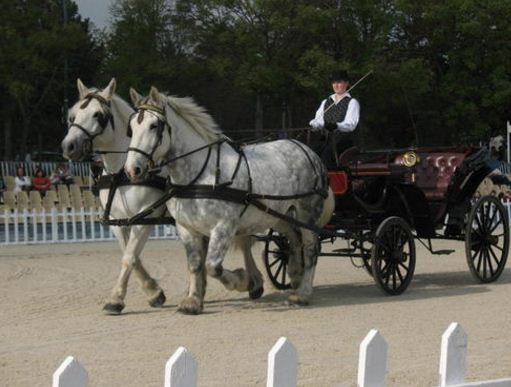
(181, 369)
(76, 168)
(64, 226)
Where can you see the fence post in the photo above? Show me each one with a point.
(70, 374)
(282, 364)
(372, 360)
(181, 369)
(54, 225)
(452, 355)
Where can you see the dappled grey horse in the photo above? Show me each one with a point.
(215, 184)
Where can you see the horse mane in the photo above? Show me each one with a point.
(123, 105)
(196, 115)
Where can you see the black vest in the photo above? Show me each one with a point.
(336, 113)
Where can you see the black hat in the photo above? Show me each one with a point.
(339, 75)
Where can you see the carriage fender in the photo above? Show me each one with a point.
(328, 209)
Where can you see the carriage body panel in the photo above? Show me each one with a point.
(420, 185)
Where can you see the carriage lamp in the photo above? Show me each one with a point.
(410, 159)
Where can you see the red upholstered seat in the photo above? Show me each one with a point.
(434, 172)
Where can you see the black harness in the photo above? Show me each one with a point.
(116, 180)
(103, 120)
(223, 190)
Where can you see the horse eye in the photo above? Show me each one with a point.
(96, 115)
(71, 119)
(153, 126)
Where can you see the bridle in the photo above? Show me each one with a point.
(162, 123)
(103, 120)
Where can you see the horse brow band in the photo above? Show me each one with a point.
(152, 108)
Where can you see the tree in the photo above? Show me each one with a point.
(140, 46)
(34, 43)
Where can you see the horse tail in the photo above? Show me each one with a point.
(328, 209)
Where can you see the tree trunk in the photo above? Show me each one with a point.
(24, 137)
(7, 154)
(259, 116)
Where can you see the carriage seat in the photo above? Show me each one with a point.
(435, 171)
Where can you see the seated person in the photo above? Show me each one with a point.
(41, 182)
(3, 188)
(339, 116)
(61, 175)
(21, 182)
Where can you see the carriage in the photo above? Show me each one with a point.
(387, 200)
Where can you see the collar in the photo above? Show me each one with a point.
(345, 95)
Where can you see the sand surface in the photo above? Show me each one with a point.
(51, 299)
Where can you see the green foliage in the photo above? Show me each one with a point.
(441, 70)
(33, 47)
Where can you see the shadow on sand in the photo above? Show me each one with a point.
(423, 286)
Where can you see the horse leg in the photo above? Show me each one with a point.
(310, 247)
(115, 304)
(132, 241)
(195, 246)
(295, 262)
(138, 238)
(255, 278)
(220, 239)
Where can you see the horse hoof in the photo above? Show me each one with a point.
(159, 300)
(190, 305)
(113, 309)
(295, 284)
(256, 293)
(297, 299)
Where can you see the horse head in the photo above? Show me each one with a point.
(150, 133)
(90, 121)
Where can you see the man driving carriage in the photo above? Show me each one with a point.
(338, 115)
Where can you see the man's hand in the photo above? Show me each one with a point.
(330, 126)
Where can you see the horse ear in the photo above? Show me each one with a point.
(155, 94)
(135, 97)
(109, 91)
(82, 89)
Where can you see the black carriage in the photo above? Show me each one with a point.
(388, 200)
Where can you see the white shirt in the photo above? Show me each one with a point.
(19, 183)
(350, 121)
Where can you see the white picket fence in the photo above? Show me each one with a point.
(62, 226)
(181, 369)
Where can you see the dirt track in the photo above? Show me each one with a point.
(51, 299)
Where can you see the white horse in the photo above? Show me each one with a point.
(211, 180)
(97, 122)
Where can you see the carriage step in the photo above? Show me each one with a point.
(443, 252)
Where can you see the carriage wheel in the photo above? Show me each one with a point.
(276, 258)
(487, 239)
(393, 260)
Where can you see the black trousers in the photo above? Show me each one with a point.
(333, 146)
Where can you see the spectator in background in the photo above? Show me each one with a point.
(41, 182)
(3, 188)
(21, 182)
(61, 175)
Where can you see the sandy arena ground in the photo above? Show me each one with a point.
(51, 299)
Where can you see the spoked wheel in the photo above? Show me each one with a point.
(393, 260)
(366, 252)
(487, 239)
(276, 258)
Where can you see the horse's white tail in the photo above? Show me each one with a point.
(328, 209)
